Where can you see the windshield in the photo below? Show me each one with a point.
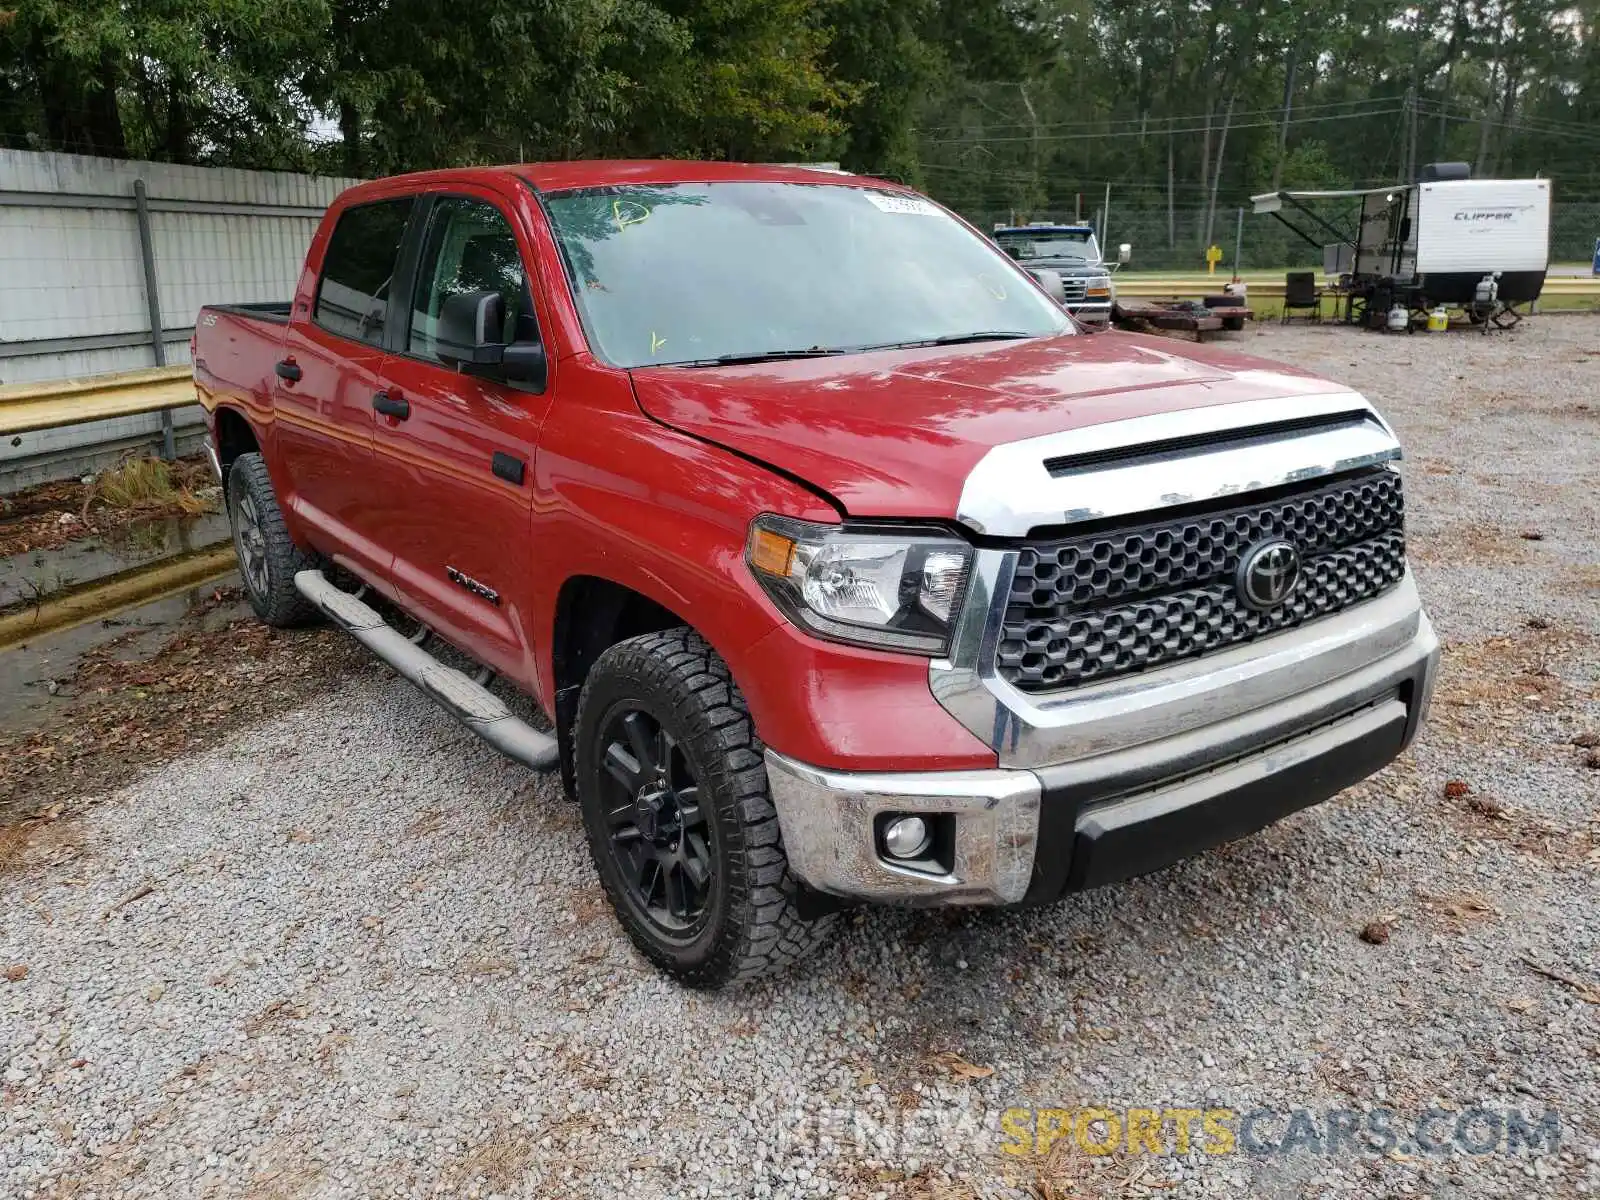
(692, 273)
(1050, 243)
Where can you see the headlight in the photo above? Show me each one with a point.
(894, 589)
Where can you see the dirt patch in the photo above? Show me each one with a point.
(130, 715)
(1479, 545)
(50, 515)
(1494, 681)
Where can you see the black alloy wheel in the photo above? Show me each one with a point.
(656, 825)
(679, 816)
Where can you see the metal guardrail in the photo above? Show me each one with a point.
(1201, 285)
(27, 407)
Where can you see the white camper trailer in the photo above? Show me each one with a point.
(1463, 229)
(1435, 241)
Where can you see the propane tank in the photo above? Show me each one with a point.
(1487, 291)
(1399, 319)
(1438, 320)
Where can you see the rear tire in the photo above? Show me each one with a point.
(680, 820)
(268, 557)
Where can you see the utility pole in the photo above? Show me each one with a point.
(1216, 174)
(1283, 127)
(1105, 221)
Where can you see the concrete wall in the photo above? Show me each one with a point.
(72, 288)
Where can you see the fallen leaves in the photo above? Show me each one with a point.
(1455, 789)
(16, 972)
(959, 1067)
(1375, 933)
(138, 893)
(1583, 991)
(1487, 806)
(128, 714)
(1465, 906)
(279, 1010)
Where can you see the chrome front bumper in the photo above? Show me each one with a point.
(1100, 782)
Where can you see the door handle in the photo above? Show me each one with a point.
(397, 407)
(287, 369)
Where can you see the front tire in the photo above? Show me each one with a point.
(680, 821)
(268, 557)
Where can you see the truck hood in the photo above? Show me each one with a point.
(895, 433)
(1067, 268)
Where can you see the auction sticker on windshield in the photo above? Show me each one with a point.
(893, 202)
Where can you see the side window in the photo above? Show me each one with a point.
(353, 294)
(469, 248)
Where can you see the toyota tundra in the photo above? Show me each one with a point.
(843, 565)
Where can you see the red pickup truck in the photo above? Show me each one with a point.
(844, 565)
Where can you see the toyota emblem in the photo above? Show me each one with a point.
(1267, 573)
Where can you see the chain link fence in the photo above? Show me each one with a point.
(1178, 241)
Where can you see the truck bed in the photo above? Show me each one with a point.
(275, 311)
(235, 347)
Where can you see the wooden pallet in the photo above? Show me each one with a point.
(1178, 316)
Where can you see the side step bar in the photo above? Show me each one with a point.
(475, 706)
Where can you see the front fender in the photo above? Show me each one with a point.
(623, 498)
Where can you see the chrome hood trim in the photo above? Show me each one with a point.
(1013, 490)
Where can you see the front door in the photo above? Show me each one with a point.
(458, 465)
(324, 385)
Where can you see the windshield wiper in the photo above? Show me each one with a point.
(948, 339)
(953, 339)
(983, 335)
(753, 356)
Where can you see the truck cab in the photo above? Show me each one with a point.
(836, 563)
(1070, 253)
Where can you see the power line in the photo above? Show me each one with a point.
(1215, 126)
(1571, 131)
(1146, 121)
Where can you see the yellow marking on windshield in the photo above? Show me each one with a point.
(628, 212)
(996, 290)
(656, 342)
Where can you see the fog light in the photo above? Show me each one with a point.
(906, 837)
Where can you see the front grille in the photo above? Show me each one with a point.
(1124, 600)
(1073, 289)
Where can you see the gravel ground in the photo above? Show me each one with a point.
(352, 953)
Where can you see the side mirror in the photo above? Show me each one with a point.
(1051, 282)
(1124, 253)
(469, 329)
(525, 363)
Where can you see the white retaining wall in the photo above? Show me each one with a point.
(71, 267)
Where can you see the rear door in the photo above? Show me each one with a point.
(326, 380)
(459, 465)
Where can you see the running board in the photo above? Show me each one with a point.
(475, 706)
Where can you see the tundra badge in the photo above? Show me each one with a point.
(472, 585)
